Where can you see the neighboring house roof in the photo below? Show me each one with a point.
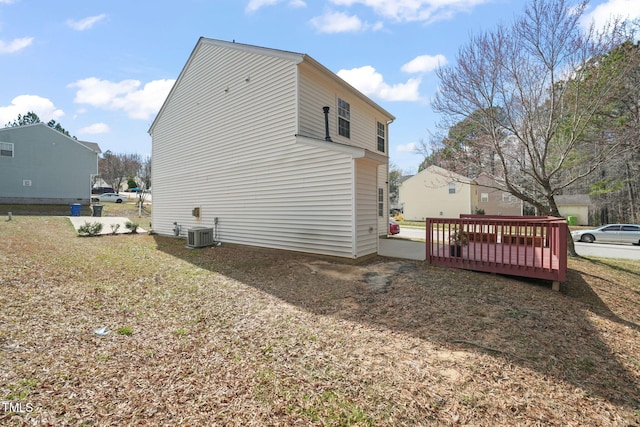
(292, 56)
(573, 199)
(90, 145)
(437, 170)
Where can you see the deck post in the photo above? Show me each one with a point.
(555, 286)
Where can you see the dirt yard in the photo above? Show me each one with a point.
(244, 336)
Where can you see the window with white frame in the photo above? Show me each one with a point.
(452, 188)
(344, 118)
(507, 197)
(382, 136)
(6, 149)
(484, 197)
(380, 201)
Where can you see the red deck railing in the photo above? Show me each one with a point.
(527, 246)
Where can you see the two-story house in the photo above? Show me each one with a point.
(436, 192)
(495, 201)
(273, 150)
(39, 165)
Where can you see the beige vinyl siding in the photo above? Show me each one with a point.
(581, 213)
(317, 91)
(426, 195)
(233, 154)
(366, 207)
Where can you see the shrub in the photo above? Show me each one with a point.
(114, 228)
(132, 226)
(88, 229)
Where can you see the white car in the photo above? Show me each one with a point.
(612, 233)
(109, 197)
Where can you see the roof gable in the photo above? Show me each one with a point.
(437, 170)
(293, 57)
(84, 144)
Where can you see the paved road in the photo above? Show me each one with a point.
(585, 249)
(608, 251)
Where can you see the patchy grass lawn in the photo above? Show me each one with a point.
(243, 336)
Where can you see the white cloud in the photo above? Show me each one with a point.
(424, 63)
(254, 5)
(371, 83)
(127, 96)
(337, 22)
(22, 104)
(95, 128)
(86, 23)
(6, 1)
(15, 45)
(604, 12)
(415, 10)
(406, 148)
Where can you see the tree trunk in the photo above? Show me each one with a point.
(571, 247)
(632, 196)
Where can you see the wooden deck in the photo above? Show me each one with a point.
(520, 246)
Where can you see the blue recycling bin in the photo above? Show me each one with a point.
(75, 209)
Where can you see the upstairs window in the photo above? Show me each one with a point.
(6, 149)
(344, 118)
(452, 188)
(382, 133)
(507, 197)
(484, 197)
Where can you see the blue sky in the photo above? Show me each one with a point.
(103, 68)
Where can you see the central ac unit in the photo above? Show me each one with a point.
(198, 237)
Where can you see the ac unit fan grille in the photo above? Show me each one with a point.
(199, 237)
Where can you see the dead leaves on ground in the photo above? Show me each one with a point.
(245, 336)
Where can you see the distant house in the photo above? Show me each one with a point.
(494, 201)
(244, 143)
(39, 165)
(576, 206)
(436, 192)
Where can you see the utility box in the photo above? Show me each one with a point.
(199, 237)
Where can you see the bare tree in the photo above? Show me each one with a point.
(529, 92)
(115, 168)
(144, 180)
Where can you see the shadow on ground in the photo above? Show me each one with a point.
(557, 334)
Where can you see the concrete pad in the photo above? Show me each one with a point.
(402, 248)
(107, 221)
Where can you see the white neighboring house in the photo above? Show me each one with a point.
(435, 192)
(242, 140)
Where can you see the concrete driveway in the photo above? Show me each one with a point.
(106, 221)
